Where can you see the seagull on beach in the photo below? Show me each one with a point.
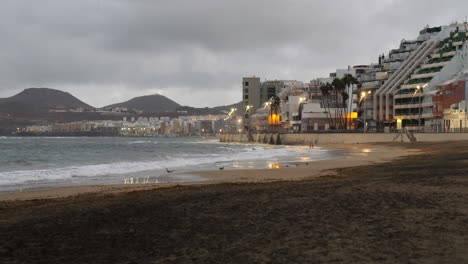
(169, 171)
(221, 168)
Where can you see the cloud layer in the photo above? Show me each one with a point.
(196, 52)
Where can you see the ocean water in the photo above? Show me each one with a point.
(37, 162)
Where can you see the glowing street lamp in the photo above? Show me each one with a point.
(419, 89)
(363, 97)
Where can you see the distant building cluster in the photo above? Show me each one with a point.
(420, 85)
(98, 110)
(145, 126)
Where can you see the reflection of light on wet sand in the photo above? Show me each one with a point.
(366, 150)
(274, 166)
(305, 158)
(144, 180)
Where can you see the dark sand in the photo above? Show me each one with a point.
(411, 210)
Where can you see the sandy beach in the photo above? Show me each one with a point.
(387, 208)
(359, 154)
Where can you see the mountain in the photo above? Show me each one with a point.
(150, 103)
(42, 100)
(210, 110)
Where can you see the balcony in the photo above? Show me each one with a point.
(412, 86)
(370, 85)
(424, 75)
(449, 54)
(434, 65)
(408, 95)
(415, 104)
(414, 116)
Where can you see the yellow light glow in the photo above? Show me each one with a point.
(352, 115)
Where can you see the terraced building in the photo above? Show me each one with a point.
(407, 95)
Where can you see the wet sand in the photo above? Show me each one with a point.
(359, 154)
(412, 209)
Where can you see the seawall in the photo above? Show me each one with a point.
(343, 138)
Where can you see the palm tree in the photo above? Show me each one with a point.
(349, 81)
(326, 90)
(339, 89)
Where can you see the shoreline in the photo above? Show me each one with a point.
(412, 209)
(360, 155)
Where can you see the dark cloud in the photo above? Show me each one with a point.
(197, 51)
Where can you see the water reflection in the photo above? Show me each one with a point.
(141, 180)
(274, 166)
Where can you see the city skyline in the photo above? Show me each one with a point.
(121, 49)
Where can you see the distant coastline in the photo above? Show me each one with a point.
(93, 134)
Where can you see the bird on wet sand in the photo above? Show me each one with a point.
(169, 171)
(221, 168)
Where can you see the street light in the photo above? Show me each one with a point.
(418, 89)
(247, 117)
(363, 96)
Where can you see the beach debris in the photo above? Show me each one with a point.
(169, 171)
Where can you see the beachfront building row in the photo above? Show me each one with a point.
(422, 84)
(143, 126)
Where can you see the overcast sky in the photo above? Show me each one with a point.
(196, 51)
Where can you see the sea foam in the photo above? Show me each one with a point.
(181, 162)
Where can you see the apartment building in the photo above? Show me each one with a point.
(408, 94)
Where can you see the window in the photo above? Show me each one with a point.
(246, 96)
(246, 90)
(246, 83)
(246, 115)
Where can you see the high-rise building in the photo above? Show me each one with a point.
(408, 93)
(251, 98)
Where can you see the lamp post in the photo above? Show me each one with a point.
(419, 89)
(299, 112)
(363, 97)
(247, 120)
